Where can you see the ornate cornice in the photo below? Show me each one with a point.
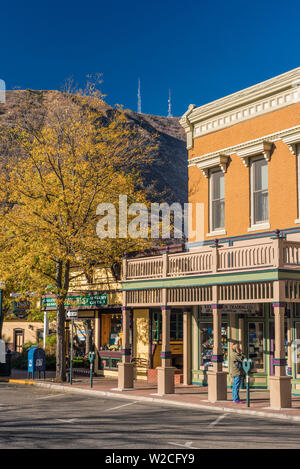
(220, 160)
(262, 148)
(292, 140)
(251, 102)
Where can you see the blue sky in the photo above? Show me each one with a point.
(201, 50)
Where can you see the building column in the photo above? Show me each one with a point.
(280, 384)
(125, 369)
(186, 347)
(165, 372)
(217, 378)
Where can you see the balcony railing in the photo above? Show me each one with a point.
(276, 253)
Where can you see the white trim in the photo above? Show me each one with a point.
(262, 98)
(218, 162)
(216, 233)
(259, 226)
(262, 148)
(297, 220)
(271, 138)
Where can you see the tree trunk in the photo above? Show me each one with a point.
(62, 285)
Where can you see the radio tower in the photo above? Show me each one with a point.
(139, 103)
(170, 105)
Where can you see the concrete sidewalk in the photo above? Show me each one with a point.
(184, 396)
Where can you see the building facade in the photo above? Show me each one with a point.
(239, 277)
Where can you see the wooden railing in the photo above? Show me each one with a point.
(273, 252)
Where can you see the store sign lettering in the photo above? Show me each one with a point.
(235, 308)
(78, 301)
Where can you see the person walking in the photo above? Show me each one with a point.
(237, 358)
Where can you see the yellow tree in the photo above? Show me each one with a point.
(64, 155)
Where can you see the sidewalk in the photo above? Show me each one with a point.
(185, 396)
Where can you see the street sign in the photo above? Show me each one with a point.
(72, 314)
(88, 301)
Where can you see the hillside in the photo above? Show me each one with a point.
(166, 178)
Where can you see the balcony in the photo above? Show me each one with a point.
(241, 274)
(273, 253)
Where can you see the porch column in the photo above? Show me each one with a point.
(217, 378)
(280, 384)
(125, 369)
(186, 347)
(165, 372)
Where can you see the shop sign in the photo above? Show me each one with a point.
(80, 301)
(235, 308)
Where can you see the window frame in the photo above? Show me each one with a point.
(213, 229)
(254, 222)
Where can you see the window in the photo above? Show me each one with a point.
(176, 326)
(256, 345)
(259, 192)
(298, 177)
(206, 343)
(217, 201)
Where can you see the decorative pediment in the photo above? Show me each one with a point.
(220, 161)
(254, 149)
(292, 140)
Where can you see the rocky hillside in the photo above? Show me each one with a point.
(165, 179)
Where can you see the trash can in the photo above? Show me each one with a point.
(36, 361)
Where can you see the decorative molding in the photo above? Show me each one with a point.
(235, 149)
(292, 140)
(265, 97)
(253, 149)
(216, 161)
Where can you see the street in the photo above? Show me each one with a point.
(31, 417)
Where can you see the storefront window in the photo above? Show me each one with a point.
(176, 325)
(256, 344)
(206, 342)
(111, 336)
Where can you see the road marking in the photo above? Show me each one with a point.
(66, 420)
(119, 407)
(50, 396)
(215, 422)
(187, 444)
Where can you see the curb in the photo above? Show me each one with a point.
(16, 381)
(114, 395)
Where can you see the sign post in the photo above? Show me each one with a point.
(72, 315)
(247, 365)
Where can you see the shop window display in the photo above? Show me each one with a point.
(256, 344)
(207, 342)
(111, 332)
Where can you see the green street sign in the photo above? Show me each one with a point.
(77, 302)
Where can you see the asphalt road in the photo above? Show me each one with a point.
(32, 417)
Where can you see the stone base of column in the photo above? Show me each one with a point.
(165, 380)
(125, 375)
(217, 386)
(280, 392)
